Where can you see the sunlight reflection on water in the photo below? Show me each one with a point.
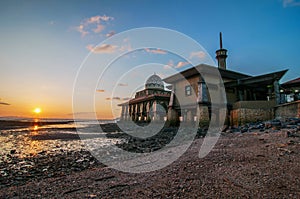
(22, 143)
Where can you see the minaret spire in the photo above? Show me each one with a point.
(221, 44)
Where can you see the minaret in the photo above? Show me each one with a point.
(221, 55)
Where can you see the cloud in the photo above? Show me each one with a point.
(3, 103)
(111, 33)
(197, 54)
(118, 98)
(94, 24)
(98, 19)
(51, 22)
(104, 48)
(155, 51)
(122, 84)
(125, 48)
(94, 19)
(100, 90)
(106, 18)
(290, 3)
(108, 48)
(99, 28)
(169, 65)
(181, 64)
(81, 30)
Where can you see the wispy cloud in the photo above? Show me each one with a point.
(81, 30)
(104, 48)
(110, 48)
(100, 90)
(4, 103)
(122, 84)
(94, 24)
(181, 64)
(155, 51)
(118, 98)
(111, 33)
(169, 65)
(99, 28)
(98, 19)
(197, 54)
(126, 47)
(290, 3)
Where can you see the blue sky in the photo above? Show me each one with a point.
(43, 43)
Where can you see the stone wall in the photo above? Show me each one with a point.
(288, 110)
(251, 111)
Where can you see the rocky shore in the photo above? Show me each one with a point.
(251, 161)
(249, 165)
(17, 171)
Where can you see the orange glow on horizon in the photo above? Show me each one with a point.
(103, 110)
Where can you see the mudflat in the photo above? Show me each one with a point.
(248, 165)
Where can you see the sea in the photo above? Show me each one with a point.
(50, 136)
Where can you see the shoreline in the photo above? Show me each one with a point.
(17, 124)
(254, 164)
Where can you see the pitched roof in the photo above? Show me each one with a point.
(259, 80)
(293, 81)
(204, 69)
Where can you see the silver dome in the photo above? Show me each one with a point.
(154, 82)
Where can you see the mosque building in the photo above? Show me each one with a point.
(248, 98)
(149, 104)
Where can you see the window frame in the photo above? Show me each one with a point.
(188, 90)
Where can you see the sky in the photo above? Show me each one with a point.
(47, 47)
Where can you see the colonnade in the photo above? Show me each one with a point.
(143, 111)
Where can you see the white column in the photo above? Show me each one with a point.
(122, 113)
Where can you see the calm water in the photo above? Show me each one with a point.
(23, 143)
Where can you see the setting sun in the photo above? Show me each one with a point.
(37, 110)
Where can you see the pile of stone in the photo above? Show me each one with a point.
(154, 143)
(292, 124)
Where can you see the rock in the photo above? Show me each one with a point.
(244, 129)
(289, 134)
(229, 131)
(13, 151)
(291, 142)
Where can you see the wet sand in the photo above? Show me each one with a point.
(249, 165)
